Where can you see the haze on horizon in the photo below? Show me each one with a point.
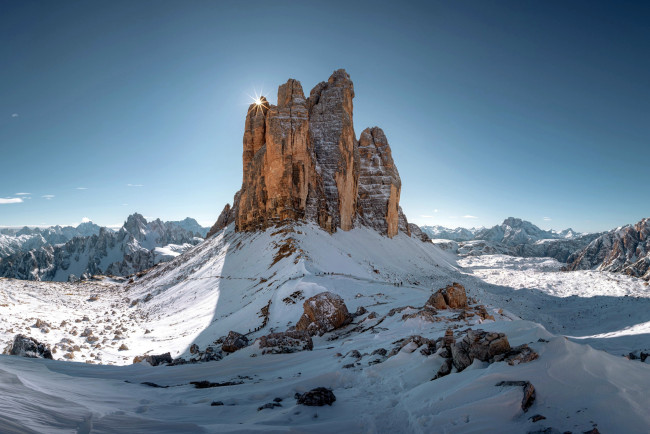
(534, 110)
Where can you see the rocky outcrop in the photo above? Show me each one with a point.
(233, 342)
(25, 346)
(323, 313)
(479, 345)
(316, 397)
(302, 161)
(285, 342)
(623, 250)
(451, 297)
(221, 222)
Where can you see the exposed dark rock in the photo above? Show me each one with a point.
(208, 384)
(154, 360)
(25, 346)
(285, 342)
(317, 397)
(269, 405)
(233, 342)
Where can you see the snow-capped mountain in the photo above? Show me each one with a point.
(623, 250)
(456, 234)
(15, 240)
(138, 245)
(191, 225)
(514, 237)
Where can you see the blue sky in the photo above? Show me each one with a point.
(539, 110)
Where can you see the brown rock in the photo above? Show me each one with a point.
(453, 296)
(436, 301)
(323, 312)
(301, 160)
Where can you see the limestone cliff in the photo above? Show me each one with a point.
(302, 161)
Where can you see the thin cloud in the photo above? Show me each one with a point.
(48, 196)
(81, 188)
(469, 216)
(23, 194)
(427, 216)
(85, 220)
(10, 200)
(14, 115)
(547, 219)
(134, 185)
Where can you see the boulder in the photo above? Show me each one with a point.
(233, 342)
(316, 397)
(323, 313)
(453, 297)
(25, 346)
(285, 342)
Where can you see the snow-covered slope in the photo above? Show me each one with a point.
(127, 251)
(258, 282)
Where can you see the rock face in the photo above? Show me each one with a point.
(302, 161)
(29, 347)
(379, 183)
(623, 250)
(323, 313)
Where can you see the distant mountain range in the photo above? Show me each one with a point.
(68, 253)
(625, 250)
(514, 236)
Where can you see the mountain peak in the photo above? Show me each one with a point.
(302, 161)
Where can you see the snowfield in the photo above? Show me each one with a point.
(255, 283)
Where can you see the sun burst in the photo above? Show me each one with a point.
(259, 102)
